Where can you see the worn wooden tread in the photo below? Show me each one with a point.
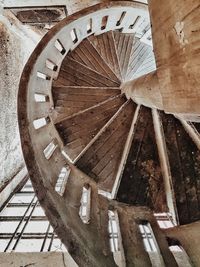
(78, 130)
(142, 177)
(102, 159)
(72, 104)
(124, 45)
(105, 45)
(184, 159)
(88, 55)
(73, 73)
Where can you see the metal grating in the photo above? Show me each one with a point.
(24, 226)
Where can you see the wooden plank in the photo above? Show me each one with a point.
(124, 45)
(79, 130)
(142, 182)
(60, 117)
(87, 54)
(69, 100)
(184, 163)
(110, 129)
(125, 154)
(101, 161)
(105, 45)
(75, 73)
(164, 162)
(138, 59)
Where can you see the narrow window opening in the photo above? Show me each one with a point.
(24, 226)
(58, 45)
(74, 36)
(84, 211)
(164, 220)
(50, 65)
(43, 76)
(115, 239)
(180, 255)
(113, 232)
(89, 26)
(150, 244)
(104, 22)
(49, 150)
(40, 122)
(121, 18)
(62, 180)
(40, 97)
(134, 23)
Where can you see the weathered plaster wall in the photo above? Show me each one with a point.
(16, 44)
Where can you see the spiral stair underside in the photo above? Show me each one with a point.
(105, 57)
(110, 144)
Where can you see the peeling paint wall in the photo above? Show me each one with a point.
(15, 48)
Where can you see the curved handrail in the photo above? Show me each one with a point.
(43, 66)
(41, 145)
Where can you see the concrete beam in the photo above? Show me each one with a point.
(176, 41)
(13, 184)
(32, 3)
(165, 166)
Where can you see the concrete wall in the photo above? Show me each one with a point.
(16, 44)
(37, 259)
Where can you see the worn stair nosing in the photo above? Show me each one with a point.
(117, 82)
(87, 109)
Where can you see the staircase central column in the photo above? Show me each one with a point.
(144, 91)
(174, 86)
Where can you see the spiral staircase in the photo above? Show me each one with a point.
(92, 153)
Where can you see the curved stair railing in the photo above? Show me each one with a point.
(77, 177)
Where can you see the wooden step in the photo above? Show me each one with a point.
(184, 159)
(124, 45)
(86, 54)
(77, 131)
(147, 66)
(73, 73)
(69, 100)
(102, 159)
(142, 181)
(105, 45)
(139, 56)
